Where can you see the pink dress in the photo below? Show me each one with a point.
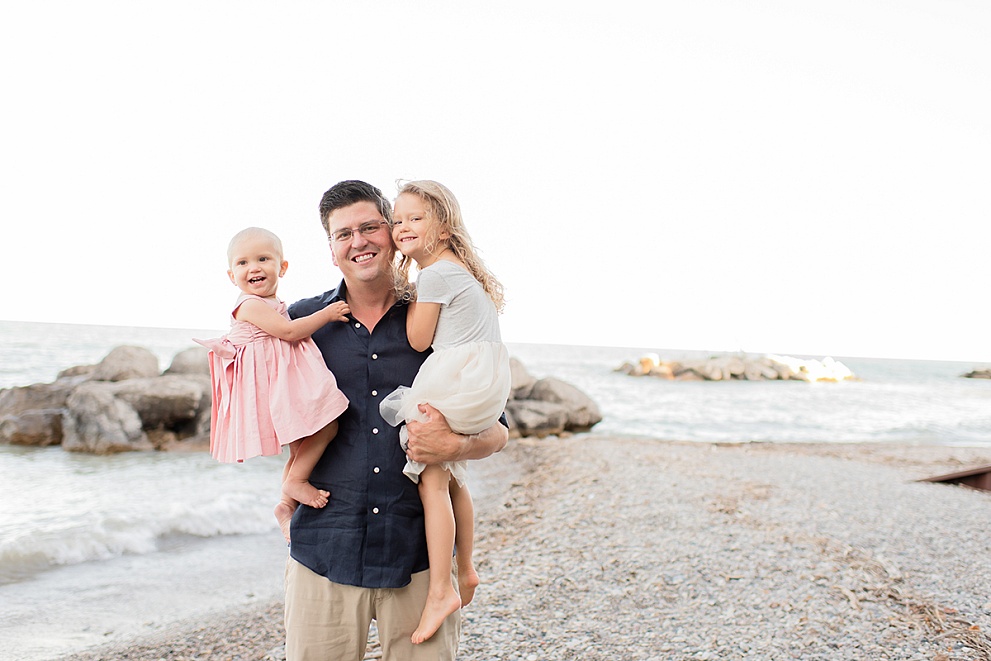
(267, 392)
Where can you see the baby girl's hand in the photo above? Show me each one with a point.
(340, 308)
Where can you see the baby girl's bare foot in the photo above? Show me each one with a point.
(306, 493)
(434, 613)
(283, 514)
(467, 582)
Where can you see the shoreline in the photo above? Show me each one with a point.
(599, 547)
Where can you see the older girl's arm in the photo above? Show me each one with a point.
(421, 324)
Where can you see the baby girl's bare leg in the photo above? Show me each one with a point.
(308, 451)
(464, 539)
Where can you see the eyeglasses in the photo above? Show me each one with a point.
(365, 229)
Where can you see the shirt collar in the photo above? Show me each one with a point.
(340, 294)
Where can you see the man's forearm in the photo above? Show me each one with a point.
(485, 443)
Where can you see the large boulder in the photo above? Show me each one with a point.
(39, 427)
(520, 379)
(32, 415)
(99, 422)
(126, 362)
(535, 418)
(18, 400)
(546, 407)
(582, 412)
(193, 360)
(165, 402)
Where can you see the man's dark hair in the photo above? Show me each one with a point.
(349, 192)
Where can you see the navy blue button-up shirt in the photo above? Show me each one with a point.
(371, 532)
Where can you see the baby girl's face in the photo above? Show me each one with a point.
(256, 266)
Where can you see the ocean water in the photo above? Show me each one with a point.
(67, 518)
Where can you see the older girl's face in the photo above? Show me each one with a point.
(416, 233)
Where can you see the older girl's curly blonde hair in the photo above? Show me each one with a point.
(443, 207)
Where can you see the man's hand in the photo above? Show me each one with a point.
(433, 441)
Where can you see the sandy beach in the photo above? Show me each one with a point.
(596, 547)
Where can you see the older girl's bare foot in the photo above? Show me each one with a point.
(283, 514)
(434, 613)
(467, 582)
(305, 493)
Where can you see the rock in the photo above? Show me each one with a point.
(628, 368)
(190, 361)
(521, 380)
(536, 418)
(119, 404)
(15, 401)
(32, 415)
(688, 374)
(165, 402)
(582, 412)
(755, 372)
(712, 372)
(736, 366)
(78, 370)
(662, 371)
(978, 374)
(741, 367)
(97, 421)
(126, 362)
(41, 427)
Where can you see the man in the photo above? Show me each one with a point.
(364, 555)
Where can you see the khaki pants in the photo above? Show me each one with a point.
(328, 621)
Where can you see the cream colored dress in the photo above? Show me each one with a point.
(467, 376)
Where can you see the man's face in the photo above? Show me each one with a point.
(365, 256)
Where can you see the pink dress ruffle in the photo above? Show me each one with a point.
(267, 392)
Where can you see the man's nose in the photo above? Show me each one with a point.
(358, 239)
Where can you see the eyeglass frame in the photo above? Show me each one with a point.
(365, 229)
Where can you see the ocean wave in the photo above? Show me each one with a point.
(108, 535)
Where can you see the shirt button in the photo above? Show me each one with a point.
(375, 510)
(375, 356)
(375, 430)
(374, 393)
(375, 470)
(357, 324)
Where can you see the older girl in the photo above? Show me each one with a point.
(466, 377)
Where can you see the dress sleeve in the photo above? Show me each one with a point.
(432, 287)
(241, 299)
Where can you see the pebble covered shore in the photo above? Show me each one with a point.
(630, 549)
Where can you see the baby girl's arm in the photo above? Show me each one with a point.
(421, 323)
(255, 312)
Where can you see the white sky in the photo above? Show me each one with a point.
(781, 176)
